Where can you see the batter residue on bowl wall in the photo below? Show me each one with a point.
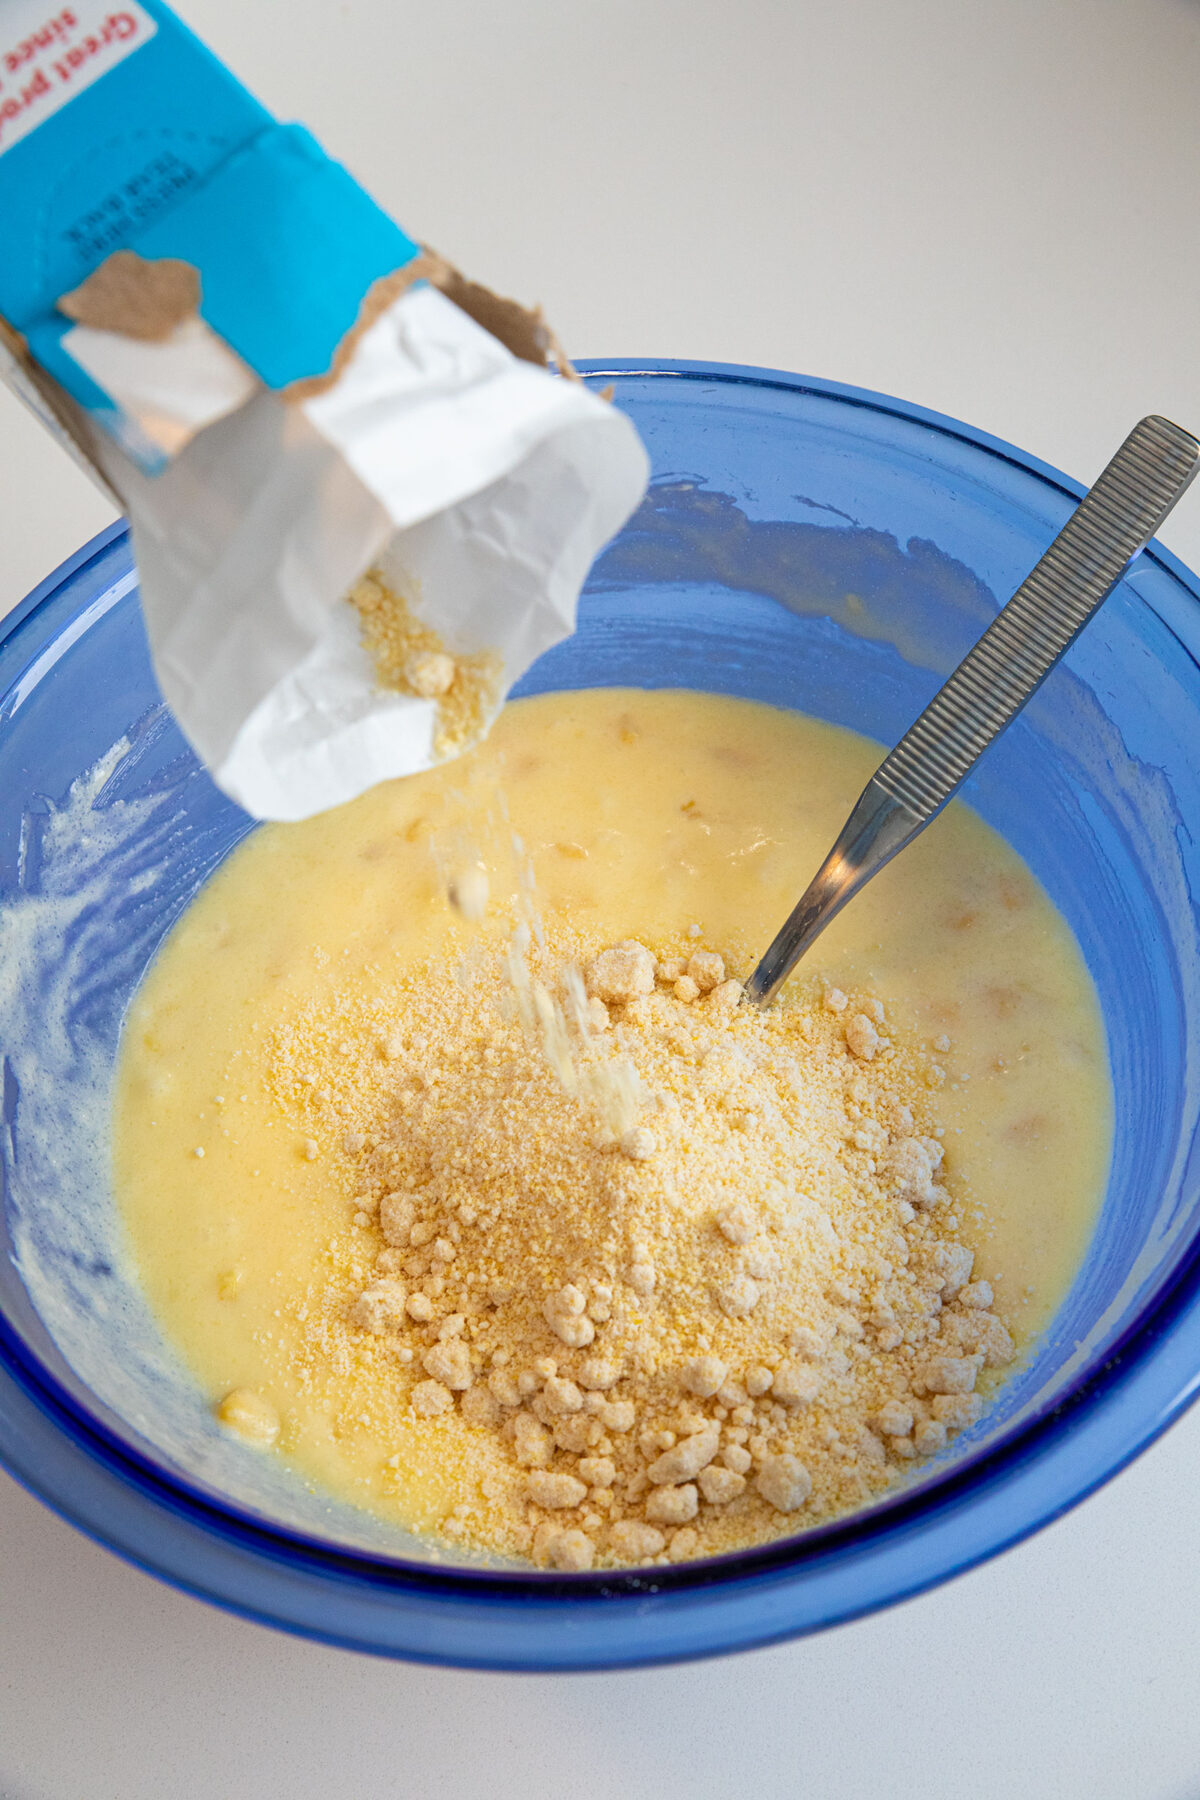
(544, 1245)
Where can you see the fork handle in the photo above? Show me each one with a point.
(1116, 519)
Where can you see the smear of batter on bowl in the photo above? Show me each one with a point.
(549, 1247)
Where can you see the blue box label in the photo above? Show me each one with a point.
(48, 56)
(120, 131)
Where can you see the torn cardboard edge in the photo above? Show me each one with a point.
(53, 407)
(147, 299)
(135, 296)
(521, 329)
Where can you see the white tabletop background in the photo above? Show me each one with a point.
(987, 206)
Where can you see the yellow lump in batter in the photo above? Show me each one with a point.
(556, 1250)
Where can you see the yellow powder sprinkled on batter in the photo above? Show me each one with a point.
(745, 1311)
(412, 658)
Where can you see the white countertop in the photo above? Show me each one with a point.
(989, 209)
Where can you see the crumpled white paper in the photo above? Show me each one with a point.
(482, 486)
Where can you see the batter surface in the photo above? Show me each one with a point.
(274, 1039)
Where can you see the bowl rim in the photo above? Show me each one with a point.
(1161, 1324)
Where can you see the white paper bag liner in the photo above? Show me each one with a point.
(326, 733)
(484, 485)
(502, 581)
(171, 388)
(432, 407)
(244, 545)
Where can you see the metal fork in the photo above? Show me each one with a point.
(1111, 524)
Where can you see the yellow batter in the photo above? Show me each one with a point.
(638, 813)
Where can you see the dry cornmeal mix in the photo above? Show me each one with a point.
(661, 1274)
(546, 1246)
(411, 658)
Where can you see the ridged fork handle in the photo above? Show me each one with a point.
(1111, 524)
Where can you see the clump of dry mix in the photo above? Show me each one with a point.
(411, 658)
(658, 1274)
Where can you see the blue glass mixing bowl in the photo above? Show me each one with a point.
(805, 544)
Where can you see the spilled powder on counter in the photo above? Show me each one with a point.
(745, 1312)
(411, 658)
